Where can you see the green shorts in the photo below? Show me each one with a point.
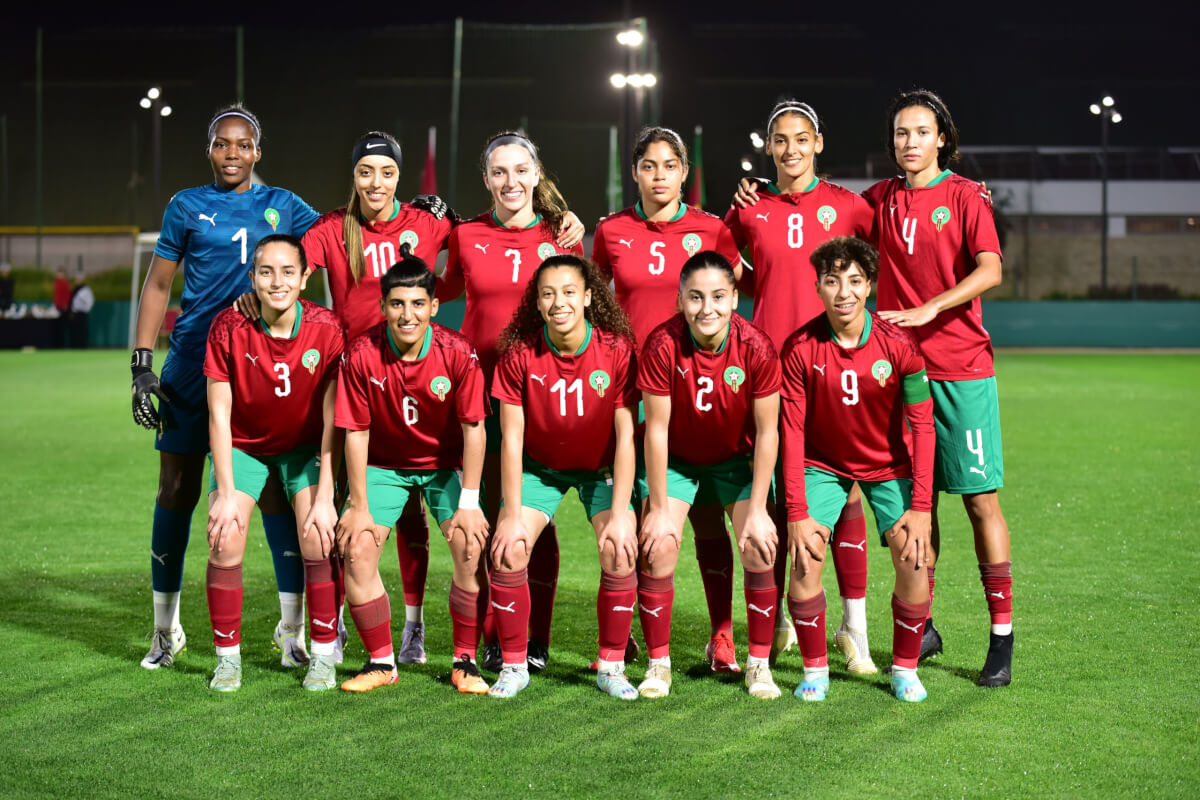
(298, 470)
(826, 493)
(966, 418)
(724, 484)
(388, 491)
(543, 488)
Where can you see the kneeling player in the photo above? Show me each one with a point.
(566, 382)
(271, 387)
(856, 379)
(412, 402)
(710, 383)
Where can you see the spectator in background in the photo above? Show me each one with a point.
(62, 302)
(82, 300)
(6, 287)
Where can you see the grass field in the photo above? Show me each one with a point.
(1102, 496)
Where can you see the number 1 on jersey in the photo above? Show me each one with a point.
(240, 235)
(563, 389)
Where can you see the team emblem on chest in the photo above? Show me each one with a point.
(545, 250)
(940, 216)
(409, 238)
(440, 386)
(826, 215)
(881, 370)
(692, 244)
(272, 218)
(310, 359)
(599, 381)
(734, 378)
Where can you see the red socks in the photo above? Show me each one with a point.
(909, 619)
(374, 622)
(543, 583)
(809, 618)
(850, 551)
(224, 587)
(655, 597)
(930, 571)
(510, 607)
(997, 588)
(614, 613)
(465, 614)
(715, 558)
(761, 609)
(319, 589)
(412, 534)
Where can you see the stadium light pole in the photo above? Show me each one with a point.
(153, 102)
(1107, 112)
(633, 39)
(760, 150)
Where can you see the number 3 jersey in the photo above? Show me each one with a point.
(213, 232)
(414, 409)
(928, 240)
(569, 401)
(357, 303)
(644, 259)
(494, 264)
(277, 384)
(844, 409)
(712, 394)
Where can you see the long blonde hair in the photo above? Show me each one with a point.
(351, 227)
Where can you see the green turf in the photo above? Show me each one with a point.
(1102, 496)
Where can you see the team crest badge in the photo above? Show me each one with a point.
(310, 359)
(692, 244)
(545, 250)
(409, 238)
(940, 216)
(881, 370)
(734, 377)
(440, 386)
(599, 381)
(826, 215)
(272, 217)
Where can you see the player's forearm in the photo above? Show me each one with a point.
(512, 462)
(152, 306)
(357, 446)
(624, 460)
(220, 434)
(920, 422)
(792, 446)
(656, 453)
(766, 447)
(328, 464)
(474, 446)
(986, 275)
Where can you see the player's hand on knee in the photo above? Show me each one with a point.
(758, 533)
(620, 533)
(224, 521)
(352, 522)
(512, 543)
(806, 542)
(474, 528)
(915, 527)
(322, 522)
(659, 537)
(146, 387)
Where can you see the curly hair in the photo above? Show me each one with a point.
(604, 313)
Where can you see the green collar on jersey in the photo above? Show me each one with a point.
(587, 339)
(395, 212)
(866, 334)
(720, 349)
(262, 323)
(941, 177)
(536, 219)
(637, 209)
(773, 188)
(425, 344)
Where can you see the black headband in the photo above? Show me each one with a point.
(375, 146)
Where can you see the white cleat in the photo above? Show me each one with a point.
(784, 638)
(164, 646)
(853, 645)
(657, 682)
(759, 682)
(289, 642)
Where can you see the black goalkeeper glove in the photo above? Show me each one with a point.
(434, 205)
(145, 384)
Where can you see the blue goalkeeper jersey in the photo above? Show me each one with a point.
(214, 232)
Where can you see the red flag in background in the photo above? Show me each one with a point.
(429, 171)
(695, 192)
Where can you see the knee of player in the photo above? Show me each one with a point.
(362, 551)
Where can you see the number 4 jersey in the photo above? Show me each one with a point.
(277, 384)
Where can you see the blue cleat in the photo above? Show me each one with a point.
(813, 690)
(908, 689)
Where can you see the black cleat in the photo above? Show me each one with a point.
(997, 669)
(931, 641)
(538, 655)
(493, 660)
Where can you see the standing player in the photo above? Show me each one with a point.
(642, 249)
(567, 392)
(411, 400)
(710, 384)
(271, 386)
(214, 229)
(938, 252)
(782, 226)
(493, 258)
(857, 380)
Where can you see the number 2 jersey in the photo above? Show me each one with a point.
(781, 231)
(213, 232)
(712, 394)
(278, 385)
(414, 409)
(357, 303)
(494, 264)
(644, 259)
(845, 409)
(569, 401)
(928, 240)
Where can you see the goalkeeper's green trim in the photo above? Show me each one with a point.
(916, 388)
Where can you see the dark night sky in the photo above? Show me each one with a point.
(1012, 75)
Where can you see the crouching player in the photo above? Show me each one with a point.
(856, 379)
(271, 387)
(566, 382)
(411, 400)
(710, 383)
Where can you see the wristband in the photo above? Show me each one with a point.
(468, 500)
(142, 358)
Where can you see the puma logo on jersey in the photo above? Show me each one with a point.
(683, 371)
(483, 247)
(653, 611)
(763, 217)
(539, 378)
(982, 472)
(914, 628)
(627, 242)
(893, 210)
(474, 355)
(253, 359)
(222, 635)
(212, 221)
(997, 595)
(766, 612)
(820, 369)
(379, 383)
(857, 546)
(623, 608)
(509, 608)
(160, 559)
(810, 624)
(326, 625)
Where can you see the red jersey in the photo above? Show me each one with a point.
(569, 401)
(782, 230)
(928, 240)
(712, 394)
(644, 259)
(357, 304)
(278, 384)
(413, 409)
(493, 263)
(856, 401)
